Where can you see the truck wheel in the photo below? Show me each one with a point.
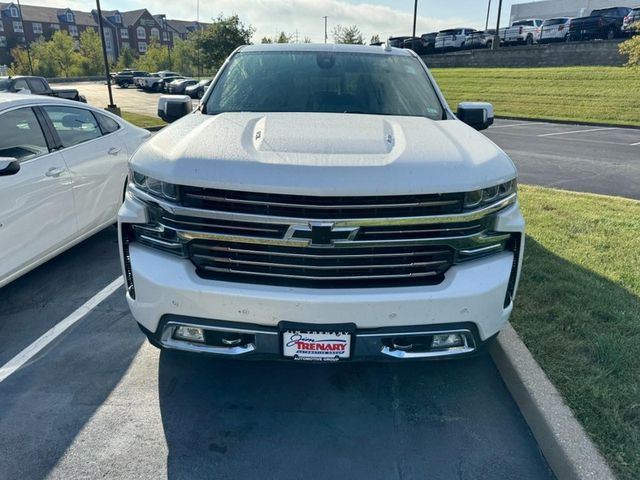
(489, 44)
(529, 40)
(156, 87)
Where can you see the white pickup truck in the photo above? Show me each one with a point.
(524, 31)
(323, 203)
(155, 81)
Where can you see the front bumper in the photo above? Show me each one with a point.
(473, 299)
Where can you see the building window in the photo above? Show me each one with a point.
(107, 43)
(69, 17)
(142, 47)
(55, 27)
(124, 33)
(37, 28)
(1, 26)
(13, 12)
(118, 18)
(73, 30)
(165, 36)
(125, 45)
(155, 33)
(142, 33)
(3, 41)
(76, 45)
(17, 26)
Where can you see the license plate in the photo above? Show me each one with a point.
(319, 346)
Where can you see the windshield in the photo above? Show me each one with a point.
(4, 84)
(325, 82)
(555, 21)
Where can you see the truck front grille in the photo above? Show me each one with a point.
(314, 207)
(320, 242)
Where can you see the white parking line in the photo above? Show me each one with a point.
(575, 131)
(28, 353)
(634, 144)
(511, 125)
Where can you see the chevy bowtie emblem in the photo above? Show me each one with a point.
(321, 234)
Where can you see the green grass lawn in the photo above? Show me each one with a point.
(582, 94)
(142, 121)
(578, 311)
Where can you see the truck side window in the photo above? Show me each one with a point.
(22, 137)
(74, 125)
(20, 84)
(36, 85)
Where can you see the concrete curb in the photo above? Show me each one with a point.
(569, 122)
(566, 446)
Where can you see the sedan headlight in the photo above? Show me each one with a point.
(154, 187)
(480, 198)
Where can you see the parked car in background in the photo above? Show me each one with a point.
(169, 80)
(63, 170)
(429, 40)
(155, 81)
(38, 86)
(604, 23)
(179, 85)
(198, 90)
(524, 31)
(125, 78)
(453, 38)
(555, 30)
(632, 18)
(416, 44)
(397, 42)
(481, 39)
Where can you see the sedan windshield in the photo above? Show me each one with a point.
(326, 82)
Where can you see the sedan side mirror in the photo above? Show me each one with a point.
(478, 115)
(9, 166)
(174, 107)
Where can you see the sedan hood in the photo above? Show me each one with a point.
(324, 154)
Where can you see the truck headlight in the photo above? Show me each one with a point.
(480, 198)
(153, 186)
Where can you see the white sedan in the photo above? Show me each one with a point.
(63, 173)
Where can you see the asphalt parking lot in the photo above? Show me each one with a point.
(99, 401)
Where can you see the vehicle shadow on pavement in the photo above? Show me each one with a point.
(284, 420)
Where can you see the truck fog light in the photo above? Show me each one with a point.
(447, 340)
(190, 334)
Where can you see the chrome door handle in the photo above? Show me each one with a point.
(114, 151)
(54, 172)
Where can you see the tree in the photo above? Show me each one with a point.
(60, 50)
(183, 56)
(126, 59)
(632, 47)
(283, 38)
(266, 40)
(90, 61)
(350, 35)
(306, 40)
(20, 65)
(217, 40)
(375, 39)
(156, 58)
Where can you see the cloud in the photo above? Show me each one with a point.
(271, 16)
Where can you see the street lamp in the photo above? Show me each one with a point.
(325, 29)
(25, 39)
(496, 41)
(415, 17)
(112, 106)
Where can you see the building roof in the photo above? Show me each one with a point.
(32, 13)
(182, 26)
(130, 18)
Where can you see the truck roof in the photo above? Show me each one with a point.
(322, 47)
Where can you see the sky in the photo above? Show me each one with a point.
(374, 17)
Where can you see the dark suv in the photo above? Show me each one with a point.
(125, 78)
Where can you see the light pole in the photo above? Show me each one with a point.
(25, 39)
(111, 107)
(165, 31)
(415, 17)
(325, 29)
(486, 25)
(496, 41)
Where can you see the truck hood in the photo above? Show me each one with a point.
(324, 154)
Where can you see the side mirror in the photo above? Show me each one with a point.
(9, 166)
(174, 107)
(478, 115)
